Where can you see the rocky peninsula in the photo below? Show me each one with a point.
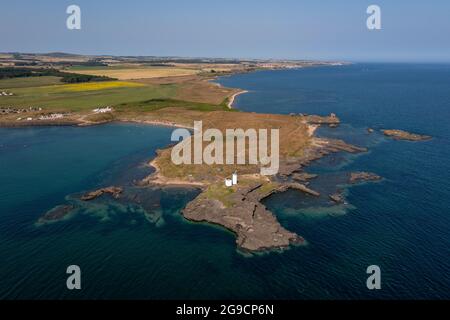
(240, 208)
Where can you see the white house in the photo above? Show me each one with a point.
(228, 182)
(102, 110)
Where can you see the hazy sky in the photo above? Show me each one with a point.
(412, 30)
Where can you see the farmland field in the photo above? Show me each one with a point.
(143, 91)
(23, 82)
(130, 73)
(92, 86)
(79, 97)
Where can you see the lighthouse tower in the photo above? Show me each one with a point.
(234, 178)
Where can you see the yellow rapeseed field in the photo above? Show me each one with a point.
(93, 86)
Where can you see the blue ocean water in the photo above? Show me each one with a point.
(147, 250)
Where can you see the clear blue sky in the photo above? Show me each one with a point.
(327, 29)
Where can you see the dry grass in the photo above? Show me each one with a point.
(194, 88)
(293, 139)
(137, 73)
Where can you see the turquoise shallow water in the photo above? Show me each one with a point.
(128, 251)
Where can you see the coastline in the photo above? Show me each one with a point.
(334, 224)
(232, 98)
(242, 212)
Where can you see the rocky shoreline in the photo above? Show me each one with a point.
(255, 227)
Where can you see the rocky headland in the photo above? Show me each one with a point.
(240, 208)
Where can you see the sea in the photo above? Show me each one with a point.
(140, 247)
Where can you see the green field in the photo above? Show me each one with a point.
(56, 98)
(23, 82)
(49, 94)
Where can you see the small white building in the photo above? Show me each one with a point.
(102, 110)
(228, 182)
(233, 181)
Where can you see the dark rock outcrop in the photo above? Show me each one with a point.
(357, 177)
(56, 214)
(337, 197)
(114, 191)
(303, 176)
(404, 135)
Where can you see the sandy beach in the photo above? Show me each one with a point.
(233, 97)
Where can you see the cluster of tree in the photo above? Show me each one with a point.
(159, 64)
(66, 77)
(25, 63)
(8, 72)
(90, 63)
(77, 78)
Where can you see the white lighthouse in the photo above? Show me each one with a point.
(234, 178)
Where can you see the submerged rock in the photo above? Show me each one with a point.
(356, 177)
(56, 214)
(303, 176)
(303, 188)
(337, 197)
(114, 191)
